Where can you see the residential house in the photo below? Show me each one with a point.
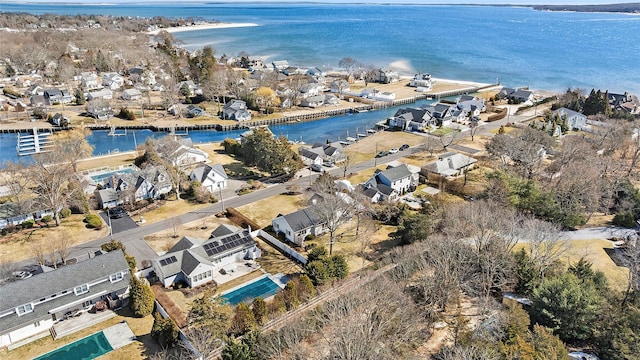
(37, 100)
(312, 101)
(59, 120)
(35, 89)
(378, 95)
(471, 105)
(297, 225)
(332, 153)
(330, 99)
(574, 119)
(112, 80)
(400, 177)
(422, 80)
(149, 183)
(211, 177)
(450, 164)
(100, 110)
(13, 214)
(309, 90)
(339, 86)
(32, 306)
(89, 81)
(196, 261)
(386, 76)
(194, 111)
(624, 102)
(107, 198)
(185, 155)
(106, 94)
(441, 114)
(504, 93)
(280, 65)
(57, 96)
(522, 95)
(131, 95)
(412, 119)
(375, 191)
(193, 88)
(236, 110)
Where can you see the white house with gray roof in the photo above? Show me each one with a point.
(211, 177)
(399, 177)
(33, 305)
(297, 225)
(574, 119)
(195, 261)
(450, 164)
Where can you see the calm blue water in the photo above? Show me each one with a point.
(335, 128)
(263, 288)
(520, 46)
(86, 348)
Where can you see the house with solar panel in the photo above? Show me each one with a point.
(196, 261)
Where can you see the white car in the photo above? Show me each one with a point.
(393, 151)
(22, 274)
(579, 355)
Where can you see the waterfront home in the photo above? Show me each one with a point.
(196, 261)
(33, 305)
(186, 155)
(211, 177)
(310, 157)
(131, 95)
(236, 110)
(574, 119)
(37, 100)
(450, 165)
(194, 111)
(13, 214)
(298, 225)
(312, 101)
(522, 95)
(399, 177)
(309, 90)
(149, 183)
(412, 119)
(100, 94)
(377, 95)
(280, 65)
(421, 80)
(59, 120)
(386, 76)
(624, 102)
(440, 113)
(331, 153)
(35, 90)
(100, 110)
(471, 105)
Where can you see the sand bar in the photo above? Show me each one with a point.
(201, 27)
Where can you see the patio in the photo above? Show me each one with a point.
(79, 321)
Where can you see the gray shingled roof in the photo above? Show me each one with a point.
(202, 172)
(187, 242)
(396, 173)
(65, 278)
(301, 219)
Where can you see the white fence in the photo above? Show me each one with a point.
(284, 248)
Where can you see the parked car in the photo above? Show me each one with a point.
(404, 147)
(317, 168)
(328, 164)
(21, 274)
(382, 153)
(117, 213)
(393, 150)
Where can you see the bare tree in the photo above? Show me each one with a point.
(38, 251)
(51, 181)
(72, 145)
(344, 165)
(524, 148)
(202, 343)
(546, 244)
(449, 139)
(333, 209)
(63, 246)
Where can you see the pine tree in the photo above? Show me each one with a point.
(141, 299)
(290, 295)
(164, 331)
(307, 290)
(237, 350)
(243, 320)
(259, 308)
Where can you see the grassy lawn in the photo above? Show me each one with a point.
(443, 131)
(216, 153)
(595, 251)
(366, 148)
(141, 327)
(18, 246)
(171, 209)
(273, 262)
(264, 211)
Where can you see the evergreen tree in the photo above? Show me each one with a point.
(243, 320)
(79, 94)
(526, 273)
(307, 290)
(235, 349)
(413, 227)
(164, 331)
(339, 267)
(318, 272)
(259, 308)
(290, 295)
(141, 298)
(210, 311)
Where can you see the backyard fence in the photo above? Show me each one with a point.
(282, 247)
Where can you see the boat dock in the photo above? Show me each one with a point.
(34, 142)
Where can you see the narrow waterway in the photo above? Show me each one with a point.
(333, 128)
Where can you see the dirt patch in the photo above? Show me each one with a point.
(263, 211)
(163, 240)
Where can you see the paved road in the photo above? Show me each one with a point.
(136, 246)
(598, 233)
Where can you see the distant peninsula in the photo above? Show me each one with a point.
(617, 8)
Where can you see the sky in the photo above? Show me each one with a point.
(470, 2)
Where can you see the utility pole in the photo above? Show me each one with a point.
(110, 228)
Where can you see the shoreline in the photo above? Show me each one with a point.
(210, 26)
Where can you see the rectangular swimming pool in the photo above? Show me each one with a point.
(86, 348)
(100, 177)
(263, 288)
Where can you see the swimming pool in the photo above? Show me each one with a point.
(86, 348)
(263, 288)
(100, 177)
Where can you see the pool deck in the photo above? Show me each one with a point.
(119, 335)
(82, 321)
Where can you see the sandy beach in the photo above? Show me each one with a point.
(202, 27)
